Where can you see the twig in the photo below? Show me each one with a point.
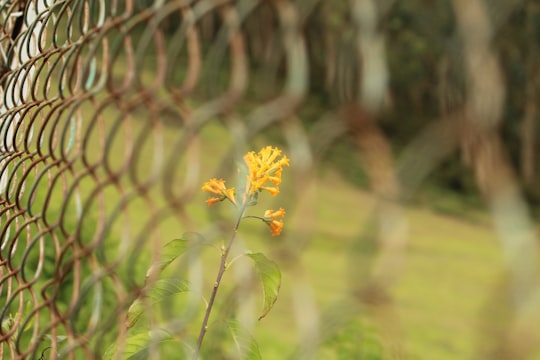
(221, 271)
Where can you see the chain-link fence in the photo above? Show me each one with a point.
(114, 112)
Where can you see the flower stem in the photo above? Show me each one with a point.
(221, 271)
(253, 217)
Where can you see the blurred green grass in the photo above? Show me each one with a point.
(451, 268)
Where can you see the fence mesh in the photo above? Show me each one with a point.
(113, 113)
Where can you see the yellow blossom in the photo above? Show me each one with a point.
(270, 217)
(217, 187)
(264, 169)
(276, 177)
(211, 201)
(276, 226)
(271, 214)
(272, 190)
(264, 166)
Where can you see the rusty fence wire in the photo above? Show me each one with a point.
(108, 124)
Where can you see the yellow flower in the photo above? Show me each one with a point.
(272, 190)
(270, 217)
(271, 214)
(276, 226)
(264, 166)
(276, 177)
(217, 187)
(211, 201)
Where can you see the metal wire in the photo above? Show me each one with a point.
(103, 103)
(105, 110)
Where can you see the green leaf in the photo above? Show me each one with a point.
(167, 287)
(254, 199)
(159, 291)
(174, 249)
(246, 345)
(136, 346)
(134, 312)
(8, 323)
(270, 277)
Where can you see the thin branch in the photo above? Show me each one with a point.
(221, 272)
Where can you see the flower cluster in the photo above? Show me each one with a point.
(263, 173)
(218, 188)
(263, 167)
(271, 216)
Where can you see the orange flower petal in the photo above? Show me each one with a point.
(271, 214)
(230, 195)
(276, 226)
(215, 186)
(211, 201)
(272, 190)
